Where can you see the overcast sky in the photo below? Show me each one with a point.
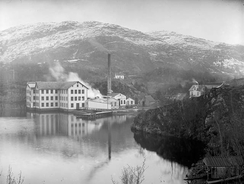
(217, 20)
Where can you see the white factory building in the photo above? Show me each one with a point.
(70, 96)
(56, 95)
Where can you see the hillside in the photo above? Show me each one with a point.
(83, 48)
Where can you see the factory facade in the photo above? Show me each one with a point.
(56, 95)
(70, 96)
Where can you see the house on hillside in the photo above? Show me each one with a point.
(56, 95)
(119, 76)
(147, 100)
(197, 90)
(120, 97)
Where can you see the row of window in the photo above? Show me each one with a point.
(64, 105)
(63, 98)
(51, 91)
(51, 104)
(55, 91)
(75, 91)
(77, 97)
(72, 105)
(47, 98)
(122, 101)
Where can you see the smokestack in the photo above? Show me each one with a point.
(109, 91)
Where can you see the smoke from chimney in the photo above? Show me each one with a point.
(58, 72)
(194, 81)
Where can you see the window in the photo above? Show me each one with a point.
(34, 97)
(42, 104)
(71, 91)
(56, 98)
(79, 91)
(51, 97)
(33, 91)
(75, 91)
(71, 98)
(42, 97)
(83, 105)
(72, 105)
(83, 98)
(77, 85)
(47, 104)
(79, 98)
(51, 104)
(51, 91)
(83, 91)
(47, 91)
(42, 91)
(56, 91)
(56, 104)
(76, 98)
(47, 98)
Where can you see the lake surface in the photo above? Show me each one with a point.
(53, 148)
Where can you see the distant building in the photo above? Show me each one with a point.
(114, 103)
(119, 76)
(56, 95)
(120, 97)
(130, 102)
(198, 90)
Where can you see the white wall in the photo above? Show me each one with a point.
(97, 105)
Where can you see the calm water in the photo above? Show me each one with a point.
(55, 148)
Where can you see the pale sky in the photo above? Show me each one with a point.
(217, 20)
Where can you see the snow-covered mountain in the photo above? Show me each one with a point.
(85, 46)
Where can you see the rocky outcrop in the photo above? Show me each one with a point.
(215, 118)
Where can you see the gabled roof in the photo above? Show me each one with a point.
(31, 84)
(115, 94)
(197, 87)
(223, 161)
(57, 85)
(130, 99)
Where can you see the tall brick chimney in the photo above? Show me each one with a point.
(109, 91)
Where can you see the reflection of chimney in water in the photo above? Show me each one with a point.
(109, 91)
(109, 140)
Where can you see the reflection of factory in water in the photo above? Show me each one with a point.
(68, 125)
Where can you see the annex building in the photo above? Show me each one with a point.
(56, 95)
